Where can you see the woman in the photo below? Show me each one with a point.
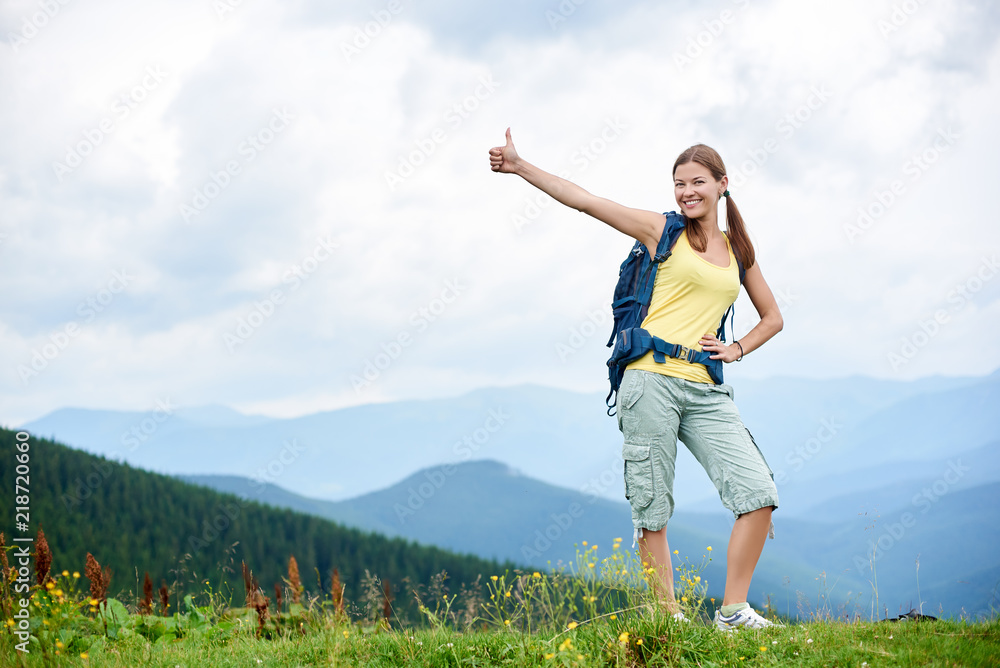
(660, 402)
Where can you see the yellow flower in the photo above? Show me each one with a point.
(506, 594)
(639, 641)
(593, 547)
(566, 645)
(75, 574)
(709, 548)
(613, 617)
(536, 574)
(571, 626)
(593, 598)
(618, 540)
(697, 578)
(684, 599)
(10, 622)
(50, 585)
(763, 649)
(549, 655)
(591, 564)
(506, 622)
(623, 638)
(585, 543)
(84, 656)
(346, 634)
(678, 551)
(59, 644)
(65, 574)
(493, 577)
(58, 592)
(579, 657)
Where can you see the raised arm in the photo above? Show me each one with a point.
(645, 226)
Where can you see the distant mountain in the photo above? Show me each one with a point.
(488, 509)
(134, 521)
(810, 430)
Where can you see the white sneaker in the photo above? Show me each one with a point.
(747, 618)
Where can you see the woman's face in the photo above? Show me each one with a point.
(696, 190)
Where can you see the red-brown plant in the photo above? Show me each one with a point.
(43, 557)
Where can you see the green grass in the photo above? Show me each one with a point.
(594, 613)
(663, 643)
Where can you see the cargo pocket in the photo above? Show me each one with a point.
(633, 385)
(638, 474)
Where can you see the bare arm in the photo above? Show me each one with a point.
(770, 323)
(645, 226)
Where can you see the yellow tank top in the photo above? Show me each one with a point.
(690, 296)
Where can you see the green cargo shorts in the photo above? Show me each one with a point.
(654, 411)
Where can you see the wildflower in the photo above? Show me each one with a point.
(593, 547)
(623, 638)
(613, 617)
(549, 655)
(65, 574)
(507, 594)
(59, 644)
(709, 548)
(774, 642)
(571, 626)
(84, 656)
(593, 598)
(585, 543)
(346, 634)
(579, 657)
(536, 574)
(684, 599)
(809, 640)
(506, 622)
(677, 551)
(763, 649)
(566, 645)
(618, 540)
(493, 577)
(58, 592)
(50, 585)
(639, 641)
(450, 644)
(591, 564)
(76, 575)
(697, 579)
(43, 557)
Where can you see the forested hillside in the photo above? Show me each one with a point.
(134, 521)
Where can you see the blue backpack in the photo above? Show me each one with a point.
(629, 341)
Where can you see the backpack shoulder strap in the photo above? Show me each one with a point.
(672, 228)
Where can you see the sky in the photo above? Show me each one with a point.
(287, 207)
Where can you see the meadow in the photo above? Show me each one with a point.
(588, 613)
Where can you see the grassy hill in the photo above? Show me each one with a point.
(134, 521)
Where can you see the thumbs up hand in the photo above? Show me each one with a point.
(503, 159)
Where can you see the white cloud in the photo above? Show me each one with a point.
(813, 106)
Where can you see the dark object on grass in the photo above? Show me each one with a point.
(912, 615)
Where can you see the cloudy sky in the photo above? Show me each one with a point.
(287, 207)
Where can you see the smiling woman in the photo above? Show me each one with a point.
(671, 390)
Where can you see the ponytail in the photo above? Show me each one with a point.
(737, 233)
